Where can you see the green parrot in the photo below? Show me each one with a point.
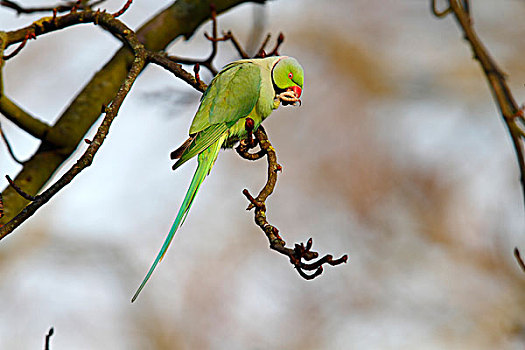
(250, 88)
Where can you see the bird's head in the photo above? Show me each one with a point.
(288, 78)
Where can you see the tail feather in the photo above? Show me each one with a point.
(206, 160)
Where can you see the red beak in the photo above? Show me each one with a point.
(296, 89)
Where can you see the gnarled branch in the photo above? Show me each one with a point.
(301, 251)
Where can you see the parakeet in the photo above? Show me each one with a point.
(250, 88)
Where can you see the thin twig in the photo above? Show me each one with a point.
(280, 40)
(261, 52)
(48, 338)
(76, 6)
(519, 259)
(236, 44)
(123, 9)
(163, 60)
(9, 148)
(1, 207)
(51, 24)
(196, 69)
(438, 13)
(18, 190)
(214, 39)
(58, 8)
(228, 36)
(29, 35)
(511, 113)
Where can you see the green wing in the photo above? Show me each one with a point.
(203, 140)
(231, 95)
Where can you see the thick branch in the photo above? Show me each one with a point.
(22, 119)
(13, 112)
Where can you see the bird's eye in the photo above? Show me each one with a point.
(290, 75)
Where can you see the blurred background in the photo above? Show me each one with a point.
(397, 156)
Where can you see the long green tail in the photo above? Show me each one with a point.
(206, 159)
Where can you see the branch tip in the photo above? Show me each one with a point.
(9, 148)
(438, 13)
(196, 69)
(519, 259)
(213, 10)
(48, 337)
(123, 9)
(19, 190)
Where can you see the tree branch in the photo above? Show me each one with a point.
(166, 62)
(19, 190)
(181, 18)
(301, 251)
(207, 62)
(1, 207)
(237, 45)
(58, 8)
(511, 113)
(22, 119)
(117, 28)
(9, 148)
(48, 338)
(519, 259)
(123, 9)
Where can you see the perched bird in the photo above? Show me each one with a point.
(250, 88)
